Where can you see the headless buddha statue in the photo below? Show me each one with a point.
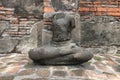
(62, 49)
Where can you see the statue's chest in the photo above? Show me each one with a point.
(60, 25)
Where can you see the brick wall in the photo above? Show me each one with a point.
(97, 7)
(100, 21)
(19, 26)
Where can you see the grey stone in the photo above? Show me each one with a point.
(32, 41)
(103, 50)
(46, 37)
(60, 47)
(26, 72)
(7, 45)
(100, 30)
(59, 73)
(3, 26)
(77, 72)
(76, 33)
(43, 72)
(6, 77)
(64, 4)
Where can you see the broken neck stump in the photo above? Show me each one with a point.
(60, 41)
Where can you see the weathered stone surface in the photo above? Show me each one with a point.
(100, 30)
(104, 69)
(59, 73)
(6, 77)
(77, 72)
(12, 70)
(64, 4)
(3, 26)
(59, 46)
(7, 45)
(25, 7)
(103, 50)
(59, 67)
(33, 41)
(26, 72)
(35, 79)
(46, 37)
(43, 72)
(76, 33)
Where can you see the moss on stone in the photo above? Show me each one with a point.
(97, 58)
(87, 63)
(118, 54)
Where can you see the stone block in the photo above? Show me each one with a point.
(46, 37)
(3, 26)
(7, 45)
(43, 72)
(32, 41)
(59, 73)
(26, 72)
(77, 72)
(6, 77)
(100, 31)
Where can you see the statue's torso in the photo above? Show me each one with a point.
(61, 28)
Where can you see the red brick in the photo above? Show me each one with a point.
(48, 9)
(12, 70)
(2, 17)
(46, 0)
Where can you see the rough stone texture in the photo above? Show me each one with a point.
(59, 73)
(103, 49)
(33, 41)
(95, 30)
(77, 72)
(20, 67)
(7, 45)
(6, 77)
(3, 26)
(100, 30)
(43, 72)
(61, 48)
(20, 15)
(24, 7)
(64, 4)
(26, 72)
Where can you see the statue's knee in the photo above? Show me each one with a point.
(34, 54)
(31, 53)
(83, 56)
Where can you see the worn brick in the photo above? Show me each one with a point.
(59, 73)
(77, 72)
(43, 72)
(59, 67)
(31, 79)
(26, 72)
(12, 70)
(6, 77)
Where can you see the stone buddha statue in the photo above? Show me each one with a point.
(62, 49)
